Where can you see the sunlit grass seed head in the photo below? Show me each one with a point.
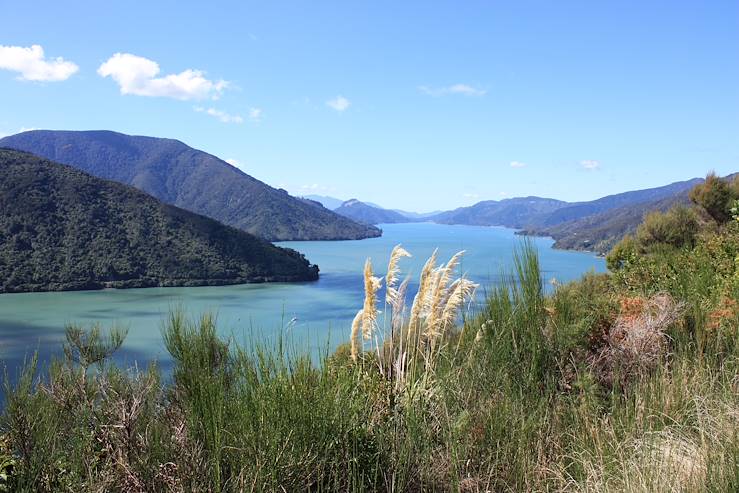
(372, 284)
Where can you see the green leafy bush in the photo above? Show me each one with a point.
(715, 196)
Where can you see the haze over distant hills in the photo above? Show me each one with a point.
(333, 203)
(192, 179)
(62, 229)
(369, 214)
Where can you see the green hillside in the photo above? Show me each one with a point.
(193, 180)
(62, 229)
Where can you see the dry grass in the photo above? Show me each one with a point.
(436, 307)
(637, 343)
(372, 284)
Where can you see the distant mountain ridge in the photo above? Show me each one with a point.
(333, 203)
(594, 225)
(368, 214)
(192, 179)
(63, 229)
(512, 213)
(580, 210)
(598, 225)
(601, 231)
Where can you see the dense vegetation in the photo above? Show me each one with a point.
(193, 180)
(62, 229)
(367, 214)
(621, 382)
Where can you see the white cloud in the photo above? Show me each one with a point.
(590, 164)
(234, 162)
(220, 115)
(255, 114)
(138, 75)
(463, 89)
(470, 195)
(517, 164)
(339, 103)
(33, 65)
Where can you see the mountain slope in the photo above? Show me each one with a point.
(583, 209)
(595, 225)
(512, 213)
(194, 180)
(62, 229)
(367, 214)
(601, 231)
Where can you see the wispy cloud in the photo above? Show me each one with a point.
(461, 89)
(339, 103)
(518, 164)
(590, 164)
(220, 115)
(255, 114)
(234, 162)
(31, 64)
(471, 195)
(138, 75)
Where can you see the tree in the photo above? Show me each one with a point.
(715, 197)
(621, 253)
(676, 227)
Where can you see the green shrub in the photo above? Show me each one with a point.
(677, 228)
(715, 197)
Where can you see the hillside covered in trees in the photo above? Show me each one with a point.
(62, 229)
(193, 180)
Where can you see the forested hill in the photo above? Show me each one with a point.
(193, 180)
(62, 229)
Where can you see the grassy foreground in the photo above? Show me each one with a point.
(620, 382)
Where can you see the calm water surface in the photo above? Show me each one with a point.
(320, 311)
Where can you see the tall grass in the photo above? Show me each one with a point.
(534, 392)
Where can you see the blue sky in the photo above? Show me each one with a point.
(416, 105)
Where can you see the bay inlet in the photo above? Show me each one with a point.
(312, 316)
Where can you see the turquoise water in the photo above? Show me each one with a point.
(316, 316)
